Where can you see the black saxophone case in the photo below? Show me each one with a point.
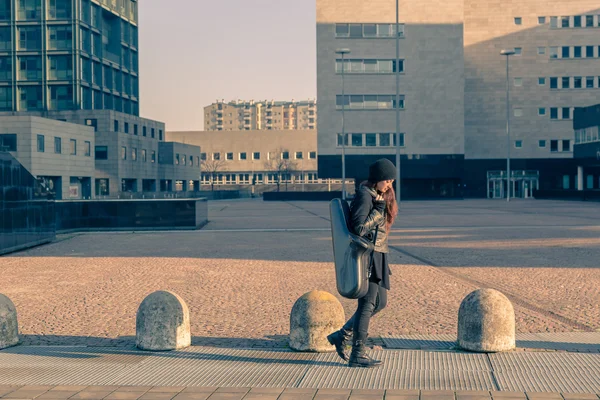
(351, 253)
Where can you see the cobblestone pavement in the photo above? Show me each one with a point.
(242, 273)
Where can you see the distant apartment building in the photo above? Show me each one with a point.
(241, 115)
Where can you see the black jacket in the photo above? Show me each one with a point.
(368, 215)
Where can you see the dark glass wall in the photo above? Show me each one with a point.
(26, 215)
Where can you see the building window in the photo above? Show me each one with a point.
(589, 21)
(183, 159)
(8, 141)
(298, 155)
(577, 82)
(102, 187)
(518, 21)
(92, 122)
(566, 51)
(203, 156)
(542, 143)
(566, 82)
(216, 156)
(553, 22)
(160, 134)
(553, 83)
(229, 156)
(57, 145)
(541, 20)
(144, 155)
(135, 129)
(401, 139)
(589, 82)
(541, 81)
(40, 144)
(518, 112)
(153, 156)
(144, 131)
(73, 143)
(370, 139)
(152, 133)
(541, 51)
(564, 22)
(566, 145)
(566, 182)
(126, 127)
(123, 153)
(589, 51)
(339, 140)
(518, 51)
(116, 128)
(553, 113)
(553, 52)
(577, 21)
(368, 102)
(177, 159)
(542, 111)
(518, 81)
(553, 146)
(368, 30)
(101, 152)
(518, 144)
(285, 155)
(577, 51)
(566, 113)
(368, 66)
(384, 139)
(256, 155)
(87, 148)
(312, 155)
(242, 156)
(357, 139)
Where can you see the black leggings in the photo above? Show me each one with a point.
(374, 301)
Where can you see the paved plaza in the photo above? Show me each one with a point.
(242, 273)
(240, 276)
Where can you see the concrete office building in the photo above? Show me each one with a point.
(59, 154)
(129, 153)
(453, 91)
(260, 115)
(244, 157)
(77, 61)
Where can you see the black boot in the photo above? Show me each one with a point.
(340, 339)
(359, 357)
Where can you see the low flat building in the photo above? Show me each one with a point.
(124, 152)
(258, 156)
(59, 154)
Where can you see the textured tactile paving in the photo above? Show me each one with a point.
(547, 371)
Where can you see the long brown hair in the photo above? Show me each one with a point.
(391, 207)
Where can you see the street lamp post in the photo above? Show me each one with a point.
(397, 105)
(507, 53)
(343, 52)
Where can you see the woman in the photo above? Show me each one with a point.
(373, 212)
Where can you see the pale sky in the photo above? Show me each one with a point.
(193, 52)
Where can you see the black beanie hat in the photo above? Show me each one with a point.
(382, 170)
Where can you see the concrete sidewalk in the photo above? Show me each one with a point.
(545, 369)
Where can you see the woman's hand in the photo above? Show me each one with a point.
(379, 197)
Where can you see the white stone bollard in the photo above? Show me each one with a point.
(162, 322)
(9, 327)
(486, 322)
(315, 315)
